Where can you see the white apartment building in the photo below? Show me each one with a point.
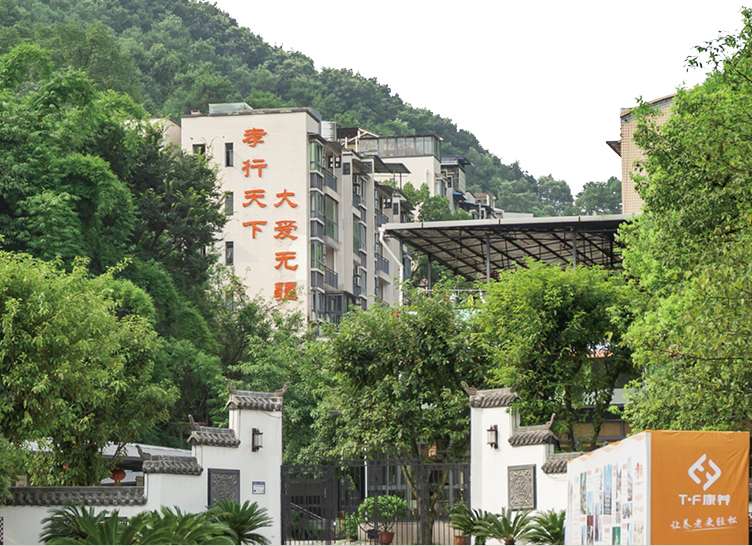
(304, 210)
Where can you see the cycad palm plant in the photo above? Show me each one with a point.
(243, 520)
(548, 528)
(166, 526)
(508, 527)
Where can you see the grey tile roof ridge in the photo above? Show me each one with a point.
(490, 398)
(212, 436)
(90, 496)
(556, 463)
(253, 400)
(534, 435)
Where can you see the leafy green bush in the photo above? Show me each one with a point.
(382, 512)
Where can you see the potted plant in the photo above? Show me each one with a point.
(381, 513)
(461, 520)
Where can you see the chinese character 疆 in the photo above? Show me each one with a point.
(284, 291)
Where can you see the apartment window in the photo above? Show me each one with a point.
(229, 206)
(317, 157)
(318, 257)
(228, 154)
(199, 149)
(229, 253)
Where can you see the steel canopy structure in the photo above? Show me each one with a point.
(478, 249)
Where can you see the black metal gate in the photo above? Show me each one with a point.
(320, 503)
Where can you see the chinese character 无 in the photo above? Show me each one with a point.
(284, 291)
(257, 164)
(254, 136)
(284, 197)
(283, 259)
(284, 229)
(254, 196)
(255, 226)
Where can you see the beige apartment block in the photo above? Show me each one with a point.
(630, 153)
(304, 211)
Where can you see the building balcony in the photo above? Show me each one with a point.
(382, 264)
(330, 277)
(317, 181)
(317, 279)
(317, 230)
(356, 200)
(331, 229)
(330, 180)
(381, 219)
(356, 287)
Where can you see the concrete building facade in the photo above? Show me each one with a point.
(630, 153)
(304, 210)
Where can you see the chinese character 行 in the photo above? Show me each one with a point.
(284, 197)
(254, 196)
(258, 164)
(283, 259)
(254, 136)
(254, 226)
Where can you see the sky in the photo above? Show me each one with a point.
(541, 82)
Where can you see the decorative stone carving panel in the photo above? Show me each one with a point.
(521, 487)
(223, 484)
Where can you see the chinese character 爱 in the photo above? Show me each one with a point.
(284, 229)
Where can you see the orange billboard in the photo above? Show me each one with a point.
(699, 487)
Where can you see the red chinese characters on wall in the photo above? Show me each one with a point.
(284, 229)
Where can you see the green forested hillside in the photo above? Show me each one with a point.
(176, 55)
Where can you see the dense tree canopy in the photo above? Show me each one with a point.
(397, 374)
(73, 371)
(545, 326)
(690, 251)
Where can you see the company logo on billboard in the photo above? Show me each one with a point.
(697, 467)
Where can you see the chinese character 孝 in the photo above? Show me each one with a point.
(253, 136)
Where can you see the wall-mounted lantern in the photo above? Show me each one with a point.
(256, 440)
(492, 436)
